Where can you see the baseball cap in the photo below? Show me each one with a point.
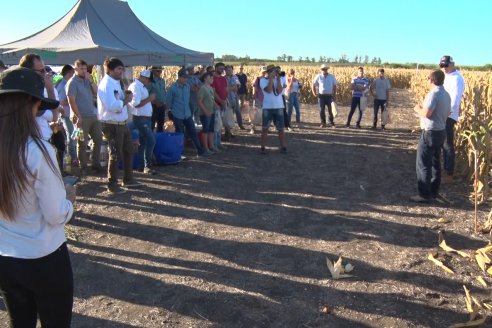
(25, 80)
(445, 61)
(146, 73)
(183, 73)
(155, 68)
(324, 66)
(2, 65)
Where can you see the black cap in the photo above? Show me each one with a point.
(25, 80)
(183, 73)
(446, 60)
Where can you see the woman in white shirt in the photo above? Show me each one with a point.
(35, 271)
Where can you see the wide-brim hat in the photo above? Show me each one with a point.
(25, 80)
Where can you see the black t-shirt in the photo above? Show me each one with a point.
(243, 79)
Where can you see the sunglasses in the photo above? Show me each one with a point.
(443, 65)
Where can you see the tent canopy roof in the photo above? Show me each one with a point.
(95, 29)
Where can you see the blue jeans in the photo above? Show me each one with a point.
(294, 103)
(428, 164)
(72, 146)
(147, 139)
(187, 126)
(325, 101)
(353, 106)
(208, 123)
(448, 147)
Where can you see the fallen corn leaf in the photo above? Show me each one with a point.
(445, 247)
(443, 220)
(468, 300)
(439, 263)
(335, 270)
(481, 281)
(487, 306)
(486, 249)
(489, 271)
(473, 323)
(480, 260)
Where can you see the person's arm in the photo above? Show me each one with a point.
(50, 190)
(202, 106)
(427, 108)
(371, 88)
(268, 88)
(110, 102)
(314, 87)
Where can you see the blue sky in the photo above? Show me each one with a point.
(396, 31)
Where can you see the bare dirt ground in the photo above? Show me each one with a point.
(241, 239)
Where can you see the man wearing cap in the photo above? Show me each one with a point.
(454, 84)
(273, 107)
(113, 114)
(141, 108)
(178, 99)
(158, 87)
(325, 88)
(81, 91)
(2, 66)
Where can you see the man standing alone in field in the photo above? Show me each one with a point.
(325, 88)
(382, 86)
(454, 84)
(433, 115)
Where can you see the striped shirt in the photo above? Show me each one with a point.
(359, 81)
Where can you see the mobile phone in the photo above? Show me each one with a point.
(70, 179)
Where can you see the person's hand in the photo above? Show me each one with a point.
(417, 108)
(128, 96)
(71, 193)
(152, 96)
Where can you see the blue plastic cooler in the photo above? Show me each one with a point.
(168, 147)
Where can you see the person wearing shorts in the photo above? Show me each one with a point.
(273, 107)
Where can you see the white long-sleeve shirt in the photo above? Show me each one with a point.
(454, 84)
(140, 92)
(38, 228)
(110, 106)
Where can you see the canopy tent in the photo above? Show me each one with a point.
(95, 29)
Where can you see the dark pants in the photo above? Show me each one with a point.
(120, 148)
(187, 126)
(286, 117)
(448, 147)
(355, 103)
(158, 118)
(325, 101)
(428, 164)
(377, 104)
(58, 140)
(43, 286)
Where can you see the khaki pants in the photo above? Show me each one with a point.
(120, 148)
(91, 127)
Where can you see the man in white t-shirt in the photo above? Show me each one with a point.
(454, 84)
(273, 107)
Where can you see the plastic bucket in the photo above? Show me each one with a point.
(168, 147)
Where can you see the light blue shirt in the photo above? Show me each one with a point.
(325, 83)
(178, 99)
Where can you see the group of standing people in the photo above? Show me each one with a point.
(35, 204)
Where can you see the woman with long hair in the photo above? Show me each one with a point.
(35, 271)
